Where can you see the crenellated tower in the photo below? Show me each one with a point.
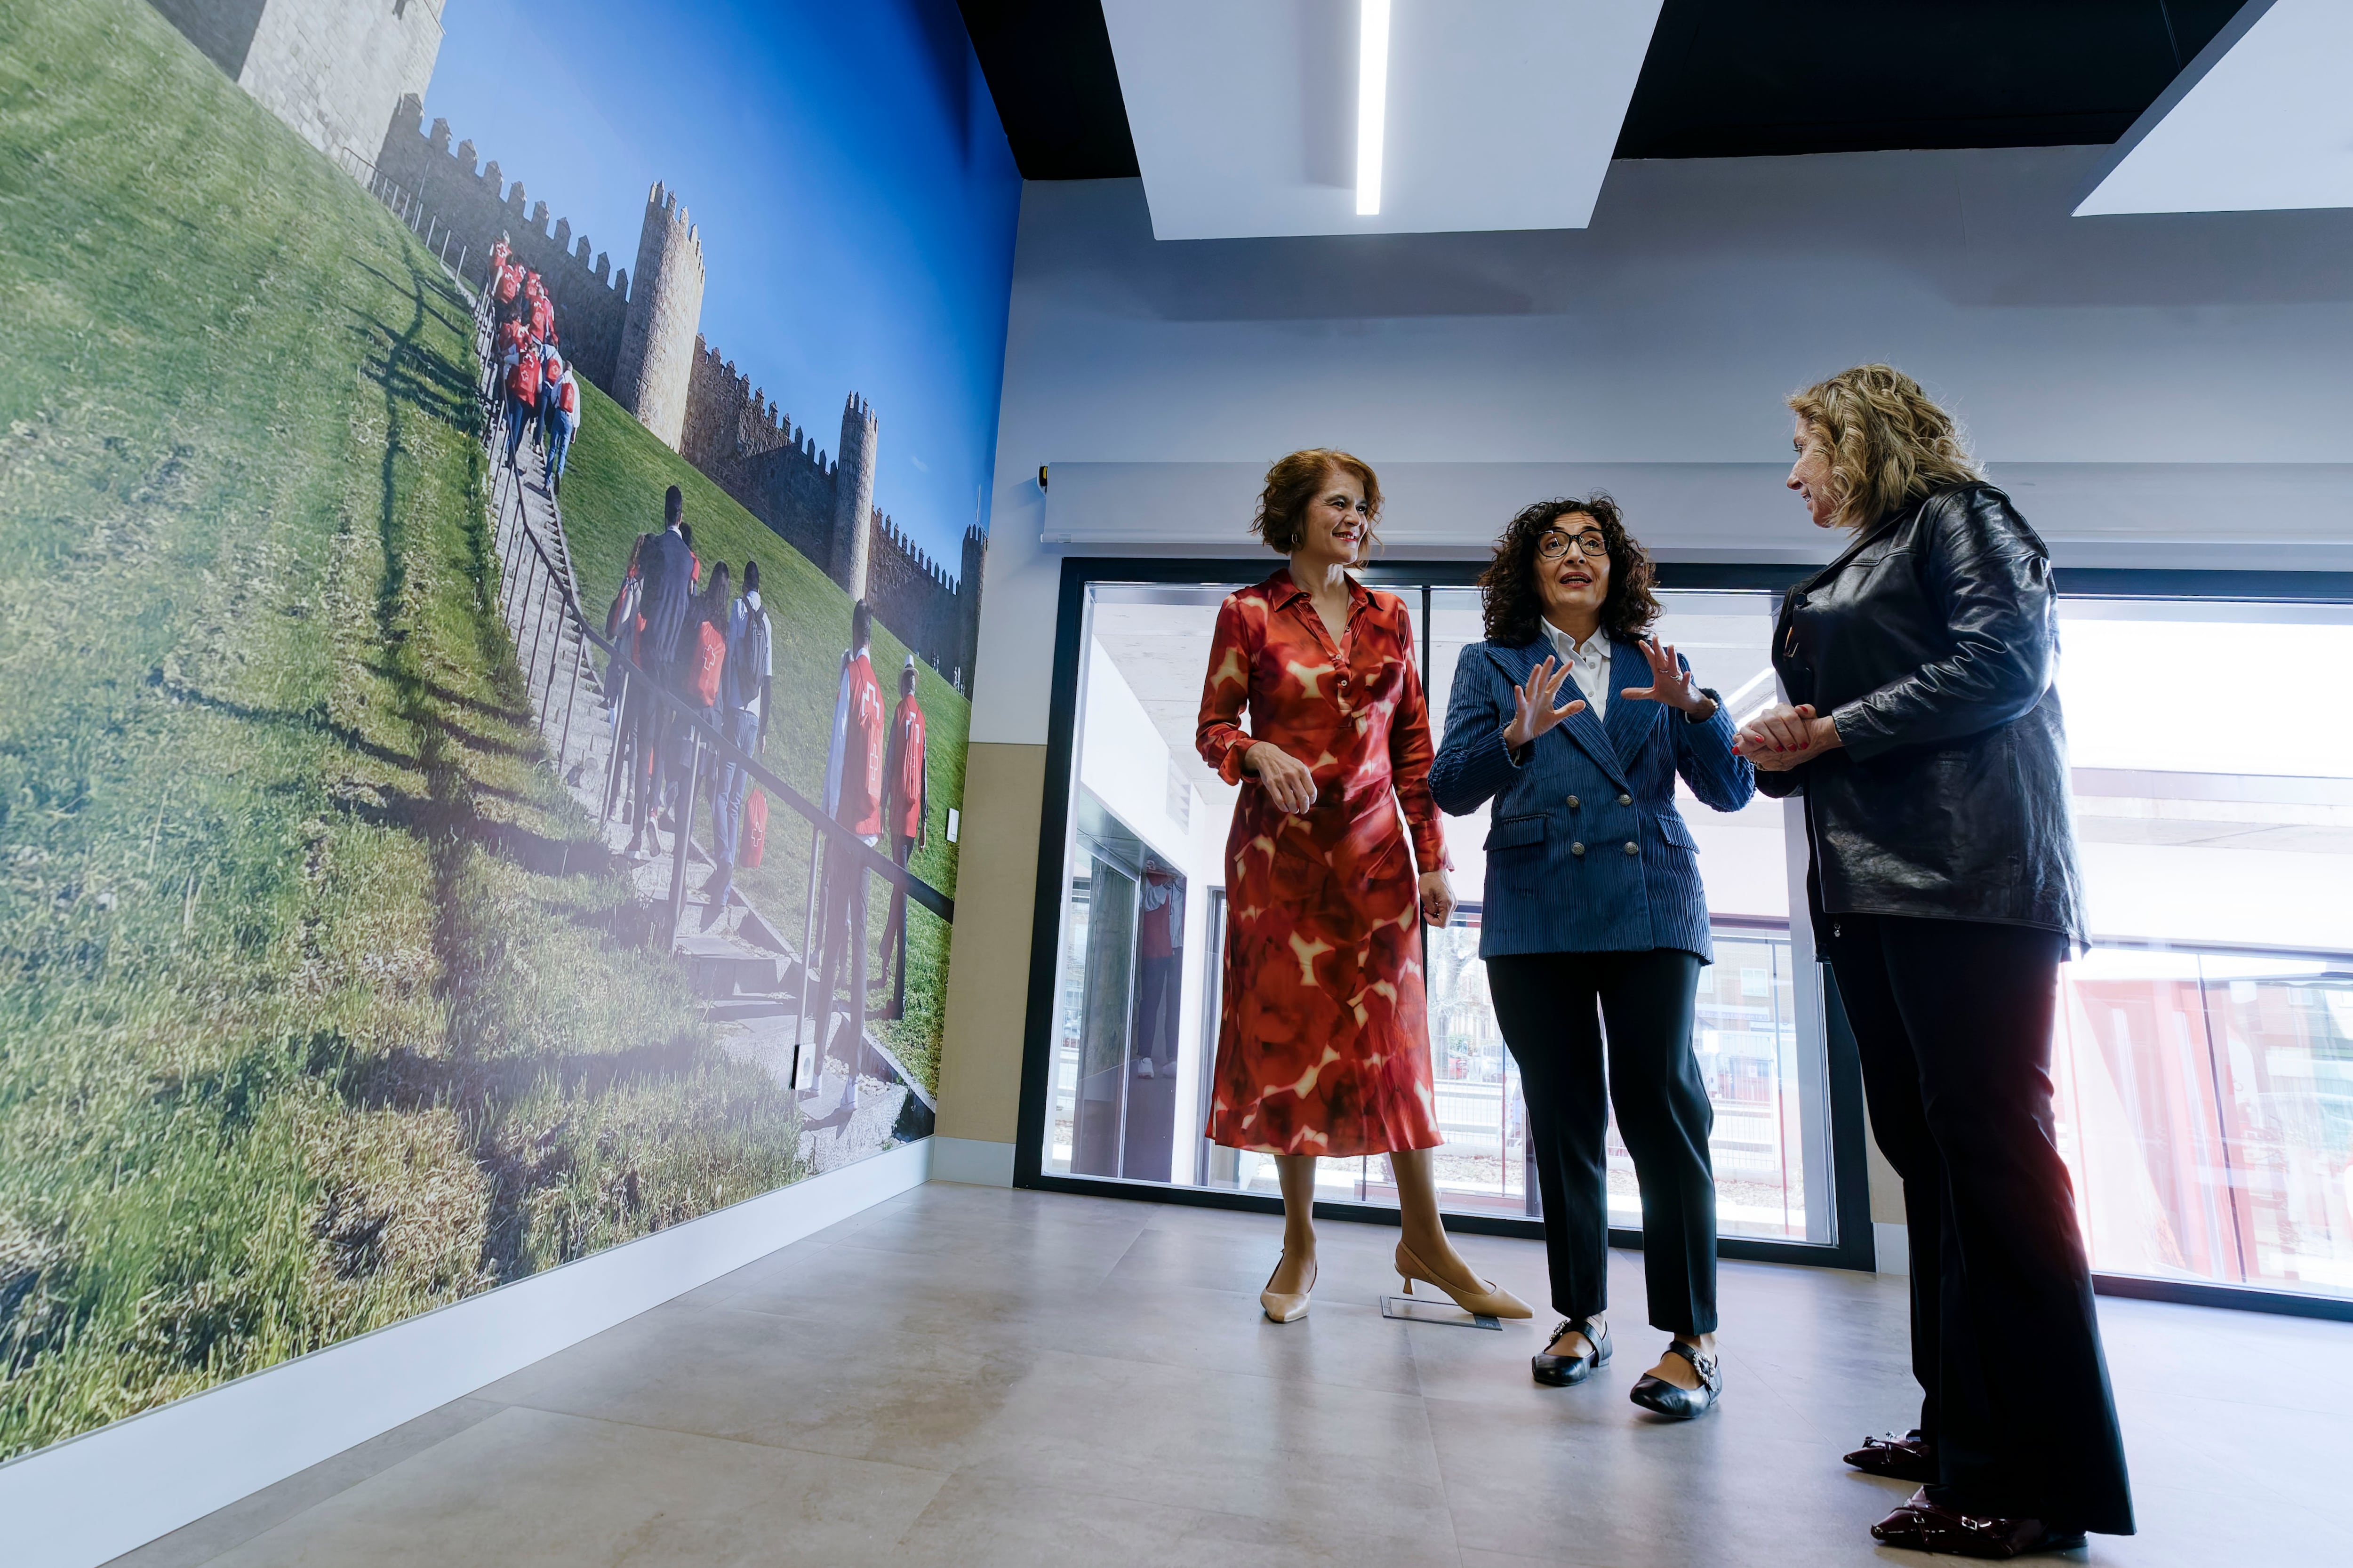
(658, 336)
(976, 555)
(853, 497)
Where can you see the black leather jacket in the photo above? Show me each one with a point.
(1931, 642)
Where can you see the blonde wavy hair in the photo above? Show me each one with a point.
(1889, 443)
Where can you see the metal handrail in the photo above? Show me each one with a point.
(861, 853)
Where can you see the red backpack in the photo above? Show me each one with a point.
(710, 658)
(755, 826)
(568, 397)
(522, 381)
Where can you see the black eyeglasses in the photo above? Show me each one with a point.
(1554, 544)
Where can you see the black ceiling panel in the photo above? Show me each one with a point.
(1729, 78)
(1050, 67)
(1723, 78)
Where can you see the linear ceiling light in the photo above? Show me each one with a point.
(1371, 103)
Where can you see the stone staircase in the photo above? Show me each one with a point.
(856, 1097)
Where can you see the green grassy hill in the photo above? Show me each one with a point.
(613, 487)
(312, 1011)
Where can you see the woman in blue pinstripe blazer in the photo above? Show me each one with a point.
(1575, 724)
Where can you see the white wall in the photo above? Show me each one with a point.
(2209, 355)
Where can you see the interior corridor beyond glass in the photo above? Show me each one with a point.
(2204, 1056)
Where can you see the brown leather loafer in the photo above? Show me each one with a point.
(1923, 1526)
(1910, 1458)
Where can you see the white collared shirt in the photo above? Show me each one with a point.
(1588, 665)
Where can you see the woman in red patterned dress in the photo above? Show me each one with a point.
(1323, 1047)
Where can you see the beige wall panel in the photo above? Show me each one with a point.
(989, 967)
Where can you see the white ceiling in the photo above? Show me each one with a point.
(2261, 120)
(1500, 113)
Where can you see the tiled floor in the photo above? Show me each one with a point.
(966, 1375)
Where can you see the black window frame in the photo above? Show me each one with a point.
(1853, 1248)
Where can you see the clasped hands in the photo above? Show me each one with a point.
(1290, 784)
(1782, 738)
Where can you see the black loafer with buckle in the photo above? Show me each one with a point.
(1567, 1370)
(1923, 1526)
(1665, 1398)
(1911, 1458)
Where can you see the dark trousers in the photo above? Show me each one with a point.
(842, 939)
(1953, 1022)
(519, 415)
(894, 931)
(1546, 1003)
(643, 718)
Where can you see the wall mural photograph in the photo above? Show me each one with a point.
(484, 709)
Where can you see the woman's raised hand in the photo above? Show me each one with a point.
(1671, 683)
(1286, 780)
(1531, 703)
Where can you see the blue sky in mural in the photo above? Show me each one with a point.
(846, 167)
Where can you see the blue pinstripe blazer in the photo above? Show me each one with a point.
(1587, 852)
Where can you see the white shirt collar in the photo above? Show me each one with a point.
(1593, 650)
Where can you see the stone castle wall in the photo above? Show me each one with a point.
(658, 337)
(591, 299)
(752, 449)
(334, 71)
(351, 74)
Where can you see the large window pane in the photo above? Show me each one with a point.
(2204, 1056)
(1137, 1026)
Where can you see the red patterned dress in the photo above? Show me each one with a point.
(1323, 1047)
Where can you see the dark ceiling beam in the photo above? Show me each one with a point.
(1723, 78)
(1050, 67)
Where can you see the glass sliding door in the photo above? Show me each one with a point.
(1137, 1002)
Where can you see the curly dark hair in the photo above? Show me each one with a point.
(1512, 603)
(1292, 486)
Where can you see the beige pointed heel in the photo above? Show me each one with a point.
(1284, 1307)
(1490, 1301)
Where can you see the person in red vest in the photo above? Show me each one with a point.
(551, 377)
(522, 396)
(562, 402)
(543, 316)
(908, 812)
(500, 253)
(744, 723)
(853, 797)
(506, 285)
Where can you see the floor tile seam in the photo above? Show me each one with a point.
(1276, 1378)
(979, 1470)
(1437, 1463)
(905, 1252)
(497, 1408)
(760, 1444)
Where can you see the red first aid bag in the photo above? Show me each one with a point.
(710, 658)
(755, 826)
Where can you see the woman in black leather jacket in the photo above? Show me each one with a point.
(1923, 732)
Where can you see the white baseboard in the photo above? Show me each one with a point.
(1892, 1243)
(973, 1161)
(82, 1502)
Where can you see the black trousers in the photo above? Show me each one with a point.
(1953, 1021)
(1546, 1003)
(841, 942)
